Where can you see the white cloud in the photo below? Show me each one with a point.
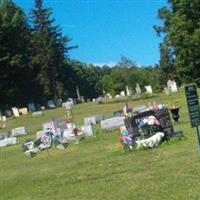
(100, 64)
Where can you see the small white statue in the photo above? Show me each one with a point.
(138, 90)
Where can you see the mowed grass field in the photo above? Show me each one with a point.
(97, 168)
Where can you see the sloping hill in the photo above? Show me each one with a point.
(97, 168)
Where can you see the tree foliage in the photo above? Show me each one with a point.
(14, 59)
(181, 26)
(48, 53)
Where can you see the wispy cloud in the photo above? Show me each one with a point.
(101, 64)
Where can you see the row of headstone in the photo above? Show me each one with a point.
(50, 104)
(5, 139)
(125, 93)
(62, 128)
(16, 112)
(35, 109)
(129, 93)
(139, 91)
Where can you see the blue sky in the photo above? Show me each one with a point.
(105, 30)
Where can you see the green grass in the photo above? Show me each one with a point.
(97, 168)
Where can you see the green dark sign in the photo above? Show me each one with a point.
(193, 104)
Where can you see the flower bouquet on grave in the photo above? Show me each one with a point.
(148, 130)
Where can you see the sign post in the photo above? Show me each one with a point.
(198, 136)
(193, 107)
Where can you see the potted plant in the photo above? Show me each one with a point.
(174, 108)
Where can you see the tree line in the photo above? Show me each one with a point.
(35, 64)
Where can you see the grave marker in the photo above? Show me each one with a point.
(18, 131)
(31, 107)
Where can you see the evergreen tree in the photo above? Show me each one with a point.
(49, 48)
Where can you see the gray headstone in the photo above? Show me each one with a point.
(51, 104)
(59, 102)
(138, 90)
(114, 122)
(18, 131)
(37, 114)
(8, 113)
(140, 108)
(31, 107)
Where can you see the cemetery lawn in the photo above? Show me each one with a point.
(97, 168)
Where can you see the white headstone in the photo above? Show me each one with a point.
(18, 131)
(23, 111)
(15, 112)
(87, 129)
(122, 94)
(169, 85)
(128, 92)
(3, 118)
(174, 86)
(148, 89)
(8, 141)
(68, 105)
